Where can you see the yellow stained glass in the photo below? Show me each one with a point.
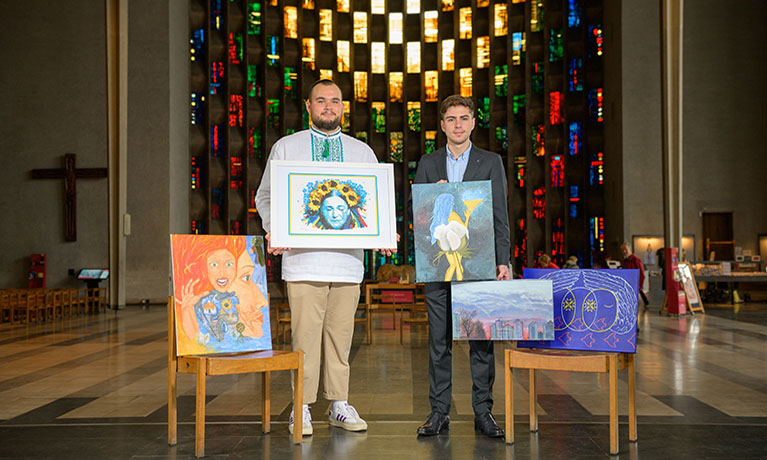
(346, 120)
(464, 23)
(448, 55)
(395, 86)
(378, 6)
(378, 57)
(290, 17)
(326, 25)
(326, 74)
(342, 6)
(464, 81)
(448, 5)
(431, 85)
(413, 57)
(361, 86)
(343, 47)
(413, 6)
(483, 52)
(430, 26)
(482, 3)
(308, 52)
(500, 19)
(308, 4)
(360, 27)
(395, 28)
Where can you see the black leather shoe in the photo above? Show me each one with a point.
(434, 424)
(486, 425)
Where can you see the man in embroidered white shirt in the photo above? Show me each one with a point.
(323, 285)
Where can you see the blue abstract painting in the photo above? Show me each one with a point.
(453, 231)
(503, 310)
(594, 310)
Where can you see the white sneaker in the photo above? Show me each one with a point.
(345, 416)
(307, 422)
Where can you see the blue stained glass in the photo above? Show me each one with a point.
(576, 137)
(574, 13)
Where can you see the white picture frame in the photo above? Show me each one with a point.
(303, 216)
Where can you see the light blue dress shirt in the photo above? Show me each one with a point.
(457, 167)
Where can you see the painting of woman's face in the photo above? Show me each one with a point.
(335, 211)
(221, 269)
(250, 297)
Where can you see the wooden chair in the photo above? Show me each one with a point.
(229, 364)
(388, 297)
(417, 315)
(282, 315)
(556, 360)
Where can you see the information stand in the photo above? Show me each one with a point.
(687, 278)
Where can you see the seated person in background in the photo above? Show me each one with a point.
(571, 262)
(544, 261)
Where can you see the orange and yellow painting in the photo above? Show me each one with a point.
(219, 284)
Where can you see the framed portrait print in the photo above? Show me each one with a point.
(332, 205)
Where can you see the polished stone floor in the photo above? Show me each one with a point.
(94, 387)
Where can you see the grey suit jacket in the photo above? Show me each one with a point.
(482, 165)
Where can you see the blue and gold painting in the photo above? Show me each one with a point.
(219, 285)
(594, 310)
(503, 310)
(453, 231)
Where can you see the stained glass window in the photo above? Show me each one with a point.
(413, 6)
(254, 87)
(360, 27)
(342, 6)
(431, 85)
(235, 48)
(555, 107)
(557, 171)
(594, 47)
(291, 80)
(379, 117)
(216, 76)
(273, 51)
(308, 52)
(378, 57)
(195, 173)
(465, 81)
(377, 6)
(198, 44)
(539, 203)
(502, 139)
(343, 55)
(361, 86)
(575, 201)
(518, 48)
(597, 234)
(254, 18)
(464, 23)
(326, 74)
(518, 108)
(413, 57)
(538, 139)
(501, 80)
(216, 14)
(558, 242)
(395, 28)
(216, 202)
(483, 52)
(255, 142)
(596, 103)
(448, 55)
(519, 170)
(448, 5)
(307, 4)
(575, 144)
(290, 17)
(395, 86)
(483, 3)
(431, 141)
(483, 112)
(236, 117)
(520, 246)
(556, 49)
(414, 116)
(575, 81)
(326, 25)
(217, 142)
(235, 172)
(430, 28)
(346, 121)
(396, 146)
(536, 16)
(197, 105)
(362, 135)
(273, 112)
(536, 78)
(500, 19)
(597, 169)
(574, 13)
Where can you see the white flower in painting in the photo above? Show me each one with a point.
(449, 236)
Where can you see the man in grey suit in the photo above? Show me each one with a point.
(462, 161)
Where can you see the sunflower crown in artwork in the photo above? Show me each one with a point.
(316, 192)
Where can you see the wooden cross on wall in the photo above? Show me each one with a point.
(70, 174)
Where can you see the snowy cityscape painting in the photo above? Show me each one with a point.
(503, 310)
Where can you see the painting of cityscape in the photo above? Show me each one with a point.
(594, 310)
(503, 310)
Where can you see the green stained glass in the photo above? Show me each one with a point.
(305, 118)
(254, 88)
(379, 117)
(519, 109)
(536, 16)
(362, 135)
(273, 112)
(395, 147)
(536, 77)
(255, 142)
(501, 80)
(254, 18)
(483, 112)
(291, 81)
(502, 139)
(556, 48)
(414, 118)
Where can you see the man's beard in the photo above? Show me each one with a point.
(327, 125)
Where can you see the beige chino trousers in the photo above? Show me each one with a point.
(322, 325)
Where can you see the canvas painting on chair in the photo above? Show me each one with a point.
(453, 231)
(219, 284)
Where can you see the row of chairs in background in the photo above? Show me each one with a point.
(26, 305)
